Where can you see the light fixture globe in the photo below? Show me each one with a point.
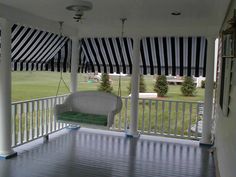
(80, 6)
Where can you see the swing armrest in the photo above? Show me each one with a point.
(60, 108)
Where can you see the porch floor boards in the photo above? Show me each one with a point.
(97, 153)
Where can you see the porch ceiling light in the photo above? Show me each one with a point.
(176, 13)
(79, 9)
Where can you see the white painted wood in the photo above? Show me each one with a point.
(13, 117)
(74, 64)
(183, 119)
(5, 89)
(41, 111)
(156, 116)
(197, 18)
(149, 115)
(208, 102)
(169, 116)
(143, 111)
(190, 119)
(135, 88)
(31, 108)
(26, 122)
(197, 117)
(163, 117)
(37, 118)
(20, 110)
(119, 121)
(176, 117)
(23, 17)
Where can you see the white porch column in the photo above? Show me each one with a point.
(208, 103)
(74, 64)
(133, 131)
(5, 91)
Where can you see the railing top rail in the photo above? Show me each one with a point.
(179, 101)
(38, 99)
(45, 98)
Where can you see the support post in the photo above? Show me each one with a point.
(133, 131)
(209, 88)
(5, 91)
(74, 64)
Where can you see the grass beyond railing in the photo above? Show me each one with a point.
(33, 119)
(163, 117)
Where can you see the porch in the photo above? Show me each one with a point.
(90, 152)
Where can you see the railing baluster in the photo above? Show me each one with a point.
(190, 120)
(143, 105)
(176, 117)
(183, 117)
(126, 114)
(119, 123)
(149, 115)
(197, 117)
(13, 118)
(31, 120)
(169, 116)
(49, 116)
(26, 108)
(156, 120)
(20, 123)
(41, 116)
(46, 117)
(37, 118)
(54, 118)
(163, 117)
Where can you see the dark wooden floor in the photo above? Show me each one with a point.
(88, 154)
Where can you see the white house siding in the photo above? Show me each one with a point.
(226, 129)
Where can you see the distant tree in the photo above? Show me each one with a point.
(161, 85)
(142, 85)
(203, 83)
(188, 87)
(105, 84)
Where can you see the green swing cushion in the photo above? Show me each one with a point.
(85, 118)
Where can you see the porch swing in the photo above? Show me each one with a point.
(89, 108)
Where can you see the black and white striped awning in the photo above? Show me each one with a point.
(174, 55)
(160, 55)
(33, 49)
(107, 55)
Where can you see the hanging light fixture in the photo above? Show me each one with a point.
(79, 9)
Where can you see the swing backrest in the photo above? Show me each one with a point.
(94, 102)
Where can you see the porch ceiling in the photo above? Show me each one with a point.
(145, 18)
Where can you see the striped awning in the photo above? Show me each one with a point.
(159, 55)
(106, 55)
(33, 49)
(174, 55)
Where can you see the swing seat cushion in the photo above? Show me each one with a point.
(85, 118)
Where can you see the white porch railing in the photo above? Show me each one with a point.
(164, 117)
(34, 119)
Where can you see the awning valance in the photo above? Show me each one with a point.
(159, 55)
(33, 49)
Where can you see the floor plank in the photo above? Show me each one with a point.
(90, 154)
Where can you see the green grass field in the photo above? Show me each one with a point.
(29, 85)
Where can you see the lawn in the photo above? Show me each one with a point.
(29, 85)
